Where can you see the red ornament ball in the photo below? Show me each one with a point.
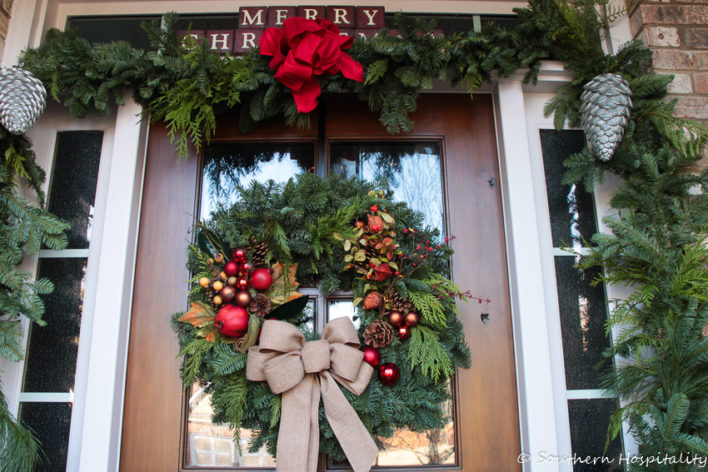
(242, 284)
(243, 298)
(395, 318)
(371, 355)
(232, 321)
(231, 268)
(238, 254)
(228, 293)
(261, 279)
(246, 267)
(411, 319)
(389, 373)
(404, 332)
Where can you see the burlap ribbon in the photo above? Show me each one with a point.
(293, 367)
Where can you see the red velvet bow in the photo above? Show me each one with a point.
(304, 49)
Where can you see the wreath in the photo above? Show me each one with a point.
(246, 337)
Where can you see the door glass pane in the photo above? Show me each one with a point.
(228, 166)
(413, 171)
(50, 423)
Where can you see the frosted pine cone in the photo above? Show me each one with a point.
(604, 113)
(378, 334)
(22, 99)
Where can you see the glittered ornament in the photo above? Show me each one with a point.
(395, 318)
(372, 355)
(231, 268)
(238, 254)
(243, 298)
(389, 373)
(411, 319)
(228, 293)
(605, 106)
(232, 320)
(246, 267)
(404, 332)
(242, 284)
(261, 279)
(22, 99)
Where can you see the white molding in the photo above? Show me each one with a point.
(94, 442)
(47, 397)
(534, 357)
(64, 253)
(19, 31)
(587, 394)
(559, 251)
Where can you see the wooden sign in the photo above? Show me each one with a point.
(359, 22)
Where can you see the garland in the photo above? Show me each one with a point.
(280, 236)
(655, 245)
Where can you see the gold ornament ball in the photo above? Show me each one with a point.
(217, 300)
(204, 281)
(219, 257)
(395, 318)
(218, 285)
(232, 281)
(411, 319)
(243, 298)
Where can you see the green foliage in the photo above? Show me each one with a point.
(25, 227)
(426, 353)
(19, 449)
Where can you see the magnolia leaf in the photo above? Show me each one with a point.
(348, 258)
(337, 236)
(357, 300)
(347, 245)
(375, 261)
(290, 309)
(284, 285)
(387, 218)
(251, 336)
(393, 265)
(360, 256)
(199, 315)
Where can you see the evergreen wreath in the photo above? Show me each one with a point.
(375, 247)
(656, 240)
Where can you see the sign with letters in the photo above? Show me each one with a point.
(359, 22)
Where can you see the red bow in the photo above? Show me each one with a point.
(304, 49)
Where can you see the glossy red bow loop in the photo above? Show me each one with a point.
(304, 49)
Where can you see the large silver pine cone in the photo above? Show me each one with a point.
(604, 113)
(22, 99)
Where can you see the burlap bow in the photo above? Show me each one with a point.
(292, 367)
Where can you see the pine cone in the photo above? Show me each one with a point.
(365, 265)
(257, 252)
(398, 303)
(604, 113)
(22, 99)
(260, 305)
(378, 334)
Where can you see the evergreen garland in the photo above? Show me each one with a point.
(656, 243)
(296, 223)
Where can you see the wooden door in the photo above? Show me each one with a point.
(486, 407)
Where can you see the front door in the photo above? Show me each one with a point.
(447, 167)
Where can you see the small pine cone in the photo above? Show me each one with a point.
(260, 305)
(398, 303)
(257, 251)
(378, 334)
(238, 343)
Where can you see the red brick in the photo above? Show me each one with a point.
(663, 36)
(692, 107)
(681, 84)
(699, 60)
(701, 79)
(696, 38)
(672, 14)
(669, 59)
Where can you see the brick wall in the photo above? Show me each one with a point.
(4, 19)
(677, 32)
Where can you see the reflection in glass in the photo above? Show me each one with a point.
(51, 356)
(589, 420)
(228, 166)
(583, 315)
(73, 189)
(209, 444)
(343, 308)
(571, 208)
(413, 171)
(50, 423)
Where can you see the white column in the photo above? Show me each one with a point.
(539, 435)
(94, 443)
